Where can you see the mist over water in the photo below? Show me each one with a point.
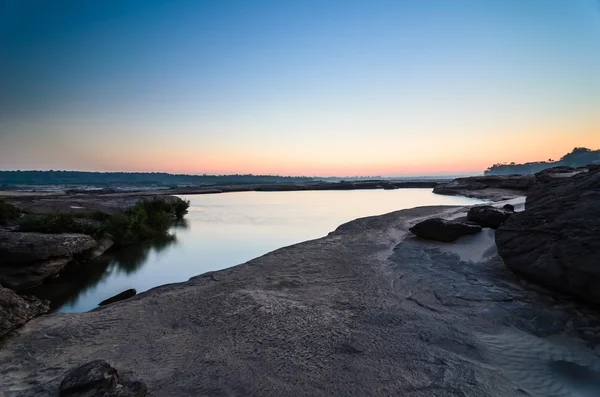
(224, 230)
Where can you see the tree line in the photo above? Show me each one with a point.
(579, 157)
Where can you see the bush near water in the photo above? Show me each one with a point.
(147, 219)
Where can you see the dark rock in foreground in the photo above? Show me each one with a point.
(119, 297)
(509, 207)
(98, 379)
(488, 216)
(556, 240)
(27, 259)
(16, 310)
(439, 229)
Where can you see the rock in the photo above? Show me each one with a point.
(488, 216)
(103, 245)
(509, 207)
(549, 174)
(365, 311)
(556, 240)
(119, 297)
(97, 374)
(30, 258)
(443, 230)
(493, 186)
(98, 379)
(16, 310)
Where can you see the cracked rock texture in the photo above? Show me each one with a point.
(556, 240)
(368, 310)
(16, 310)
(26, 259)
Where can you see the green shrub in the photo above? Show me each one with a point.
(148, 219)
(8, 212)
(180, 208)
(58, 223)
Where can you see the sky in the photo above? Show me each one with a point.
(296, 87)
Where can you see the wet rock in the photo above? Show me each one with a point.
(16, 310)
(509, 207)
(99, 379)
(556, 240)
(29, 258)
(119, 297)
(443, 230)
(488, 216)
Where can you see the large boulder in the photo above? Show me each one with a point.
(16, 310)
(27, 259)
(556, 240)
(443, 230)
(488, 216)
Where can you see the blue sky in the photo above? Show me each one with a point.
(296, 87)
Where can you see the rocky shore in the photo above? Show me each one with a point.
(369, 310)
(27, 259)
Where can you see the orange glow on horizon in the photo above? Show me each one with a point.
(457, 158)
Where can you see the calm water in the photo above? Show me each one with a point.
(223, 230)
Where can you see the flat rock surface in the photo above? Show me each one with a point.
(368, 310)
(23, 248)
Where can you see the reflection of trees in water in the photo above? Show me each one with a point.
(181, 224)
(77, 278)
(133, 257)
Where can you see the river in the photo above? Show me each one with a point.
(223, 230)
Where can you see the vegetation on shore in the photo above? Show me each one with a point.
(147, 219)
(8, 212)
(53, 177)
(579, 157)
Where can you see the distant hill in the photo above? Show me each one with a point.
(579, 157)
(8, 178)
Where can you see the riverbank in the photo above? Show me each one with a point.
(367, 310)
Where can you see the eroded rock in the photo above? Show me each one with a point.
(99, 379)
(556, 240)
(488, 216)
(103, 245)
(16, 310)
(443, 230)
(472, 186)
(29, 258)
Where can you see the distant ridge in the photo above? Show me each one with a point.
(579, 157)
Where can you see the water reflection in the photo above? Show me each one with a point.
(130, 259)
(77, 278)
(224, 230)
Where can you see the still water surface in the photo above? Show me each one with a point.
(223, 230)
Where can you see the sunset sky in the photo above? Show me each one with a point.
(303, 87)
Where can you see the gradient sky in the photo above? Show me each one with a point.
(303, 87)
